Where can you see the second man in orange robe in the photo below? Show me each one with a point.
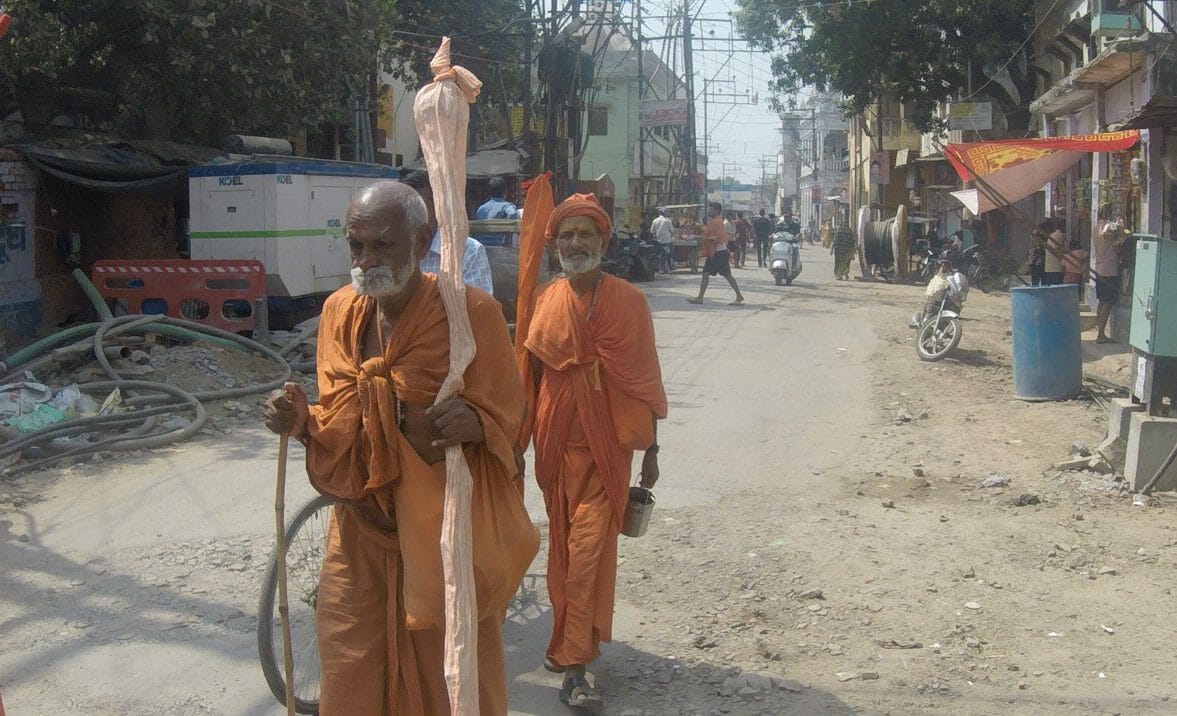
(595, 394)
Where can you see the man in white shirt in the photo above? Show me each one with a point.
(475, 264)
(1105, 266)
(663, 230)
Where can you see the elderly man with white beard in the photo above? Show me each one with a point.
(376, 446)
(595, 395)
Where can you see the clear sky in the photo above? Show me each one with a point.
(744, 138)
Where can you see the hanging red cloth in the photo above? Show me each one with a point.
(1008, 170)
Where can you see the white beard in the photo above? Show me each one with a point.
(580, 265)
(380, 281)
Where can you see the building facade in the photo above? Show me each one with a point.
(1106, 66)
(824, 151)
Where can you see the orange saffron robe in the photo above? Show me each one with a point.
(599, 390)
(381, 613)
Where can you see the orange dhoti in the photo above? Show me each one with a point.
(372, 663)
(582, 556)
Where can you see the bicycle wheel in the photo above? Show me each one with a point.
(306, 541)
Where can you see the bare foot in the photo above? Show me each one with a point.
(694, 300)
(737, 302)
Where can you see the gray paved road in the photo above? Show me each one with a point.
(115, 601)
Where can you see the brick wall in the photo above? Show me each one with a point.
(17, 174)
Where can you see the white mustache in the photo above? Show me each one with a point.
(381, 281)
(581, 264)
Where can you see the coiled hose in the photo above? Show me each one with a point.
(144, 395)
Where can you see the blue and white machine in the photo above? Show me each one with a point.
(286, 212)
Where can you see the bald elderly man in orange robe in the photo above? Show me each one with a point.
(375, 444)
(594, 395)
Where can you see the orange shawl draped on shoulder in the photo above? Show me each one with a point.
(603, 371)
(356, 452)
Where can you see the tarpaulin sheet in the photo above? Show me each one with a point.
(1009, 170)
(118, 168)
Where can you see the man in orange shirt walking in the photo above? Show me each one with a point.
(715, 250)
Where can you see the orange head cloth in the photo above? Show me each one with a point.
(581, 205)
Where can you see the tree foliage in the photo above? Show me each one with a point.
(195, 70)
(920, 51)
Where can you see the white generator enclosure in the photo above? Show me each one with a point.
(286, 212)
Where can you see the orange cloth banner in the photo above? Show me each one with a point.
(980, 159)
(1009, 170)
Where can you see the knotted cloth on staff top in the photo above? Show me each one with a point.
(1009, 170)
(442, 112)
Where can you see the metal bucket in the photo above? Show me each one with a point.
(638, 509)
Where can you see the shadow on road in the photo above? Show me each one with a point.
(631, 679)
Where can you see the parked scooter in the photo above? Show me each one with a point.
(937, 326)
(784, 258)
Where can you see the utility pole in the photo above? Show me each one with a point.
(525, 130)
(641, 129)
(689, 71)
(551, 126)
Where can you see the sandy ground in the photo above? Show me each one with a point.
(822, 544)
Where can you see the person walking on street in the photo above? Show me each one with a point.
(743, 232)
(843, 249)
(715, 250)
(594, 396)
(761, 232)
(375, 444)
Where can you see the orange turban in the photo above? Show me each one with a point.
(580, 205)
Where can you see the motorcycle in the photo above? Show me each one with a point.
(938, 329)
(630, 257)
(784, 258)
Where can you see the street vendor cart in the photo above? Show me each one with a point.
(685, 249)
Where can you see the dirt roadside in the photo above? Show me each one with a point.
(894, 583)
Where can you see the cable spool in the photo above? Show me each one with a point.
(881, 242)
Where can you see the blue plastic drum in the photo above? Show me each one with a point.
(1048, 364)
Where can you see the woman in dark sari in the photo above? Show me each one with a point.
(843, 251)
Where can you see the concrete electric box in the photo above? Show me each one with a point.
(286, 212)
(1154, 298)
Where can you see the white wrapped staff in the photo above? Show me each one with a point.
(443, 114)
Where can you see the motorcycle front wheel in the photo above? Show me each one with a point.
(937, 338)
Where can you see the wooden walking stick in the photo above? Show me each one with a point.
(283, 605)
